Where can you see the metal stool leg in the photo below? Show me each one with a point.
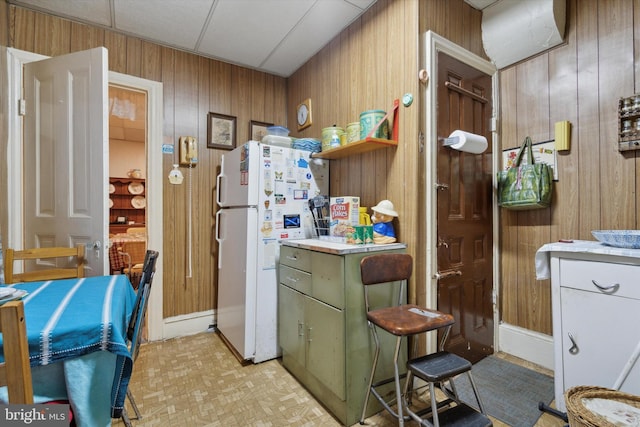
(397, 381)
(373, 372)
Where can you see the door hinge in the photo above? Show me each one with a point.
(22, 107)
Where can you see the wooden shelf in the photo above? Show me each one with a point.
(357, 147)
(367, 144)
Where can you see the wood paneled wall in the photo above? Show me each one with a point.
(373, 62)
(367, 66)
(580, 81)
(193, 86)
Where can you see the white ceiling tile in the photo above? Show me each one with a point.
(246, 31)
(174, 22)
(95, 11)
(274, 36)
(362, 4)
(323, 22)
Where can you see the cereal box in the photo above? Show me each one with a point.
(344, 216)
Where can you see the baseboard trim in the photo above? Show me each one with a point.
(526, 344)
(189, 324)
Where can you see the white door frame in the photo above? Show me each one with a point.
(432, 45)
(15, 60)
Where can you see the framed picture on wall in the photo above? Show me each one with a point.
(257, 130)
(221, 131)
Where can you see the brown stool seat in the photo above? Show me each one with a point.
(408, 319)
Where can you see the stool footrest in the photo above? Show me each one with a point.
(387, 381)
(463, 415)
(438, 366)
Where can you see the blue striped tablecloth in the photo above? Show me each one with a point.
(71, 319)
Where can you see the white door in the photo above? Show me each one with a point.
(66, 154)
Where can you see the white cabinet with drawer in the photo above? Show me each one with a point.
(596, 320)
(322, 326)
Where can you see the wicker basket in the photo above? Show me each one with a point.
(580, 416)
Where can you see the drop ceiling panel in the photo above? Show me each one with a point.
(169, 21)
(97, 11)
(274, 36)
(323, 22)
(247, 31)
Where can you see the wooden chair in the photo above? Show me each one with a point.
(15, 372)
(134, 252)
(137, 230)
(50, 256)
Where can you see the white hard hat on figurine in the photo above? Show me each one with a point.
(385, 207)
(382, 219)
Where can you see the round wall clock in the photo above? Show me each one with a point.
(303, 113)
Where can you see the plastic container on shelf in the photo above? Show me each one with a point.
(277, 131)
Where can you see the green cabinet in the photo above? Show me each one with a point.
(322, 327)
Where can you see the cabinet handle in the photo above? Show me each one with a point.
(574, 346)
(292, 279)
(309, 334)
(300, 329)
(608, 289)
(292, 258)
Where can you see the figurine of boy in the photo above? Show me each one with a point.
(382, 219)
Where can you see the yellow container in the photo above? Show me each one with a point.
(364, 218)
(332, 137)
(353, 132)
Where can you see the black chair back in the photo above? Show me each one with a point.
(142, 300)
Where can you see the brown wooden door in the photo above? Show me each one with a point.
(465, 240)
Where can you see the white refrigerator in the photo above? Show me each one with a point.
(263, 194)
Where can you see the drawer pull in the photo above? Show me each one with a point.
(292, 279)
(292, 258)
(574, 346)
(607, 289)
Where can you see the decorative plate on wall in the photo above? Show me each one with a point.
(138, 202)
(136, 188)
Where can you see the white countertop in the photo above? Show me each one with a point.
(338, 248)
(577, 246)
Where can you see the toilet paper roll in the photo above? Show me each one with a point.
(467, 142)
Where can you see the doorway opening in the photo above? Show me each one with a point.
(127, 180)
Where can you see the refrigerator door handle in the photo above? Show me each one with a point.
(219, 182)
(219, 188)
(218, 239)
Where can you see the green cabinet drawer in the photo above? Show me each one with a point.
(296, 279)
(327, 280)
(296, 258)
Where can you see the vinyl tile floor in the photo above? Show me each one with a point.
(196, 381)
